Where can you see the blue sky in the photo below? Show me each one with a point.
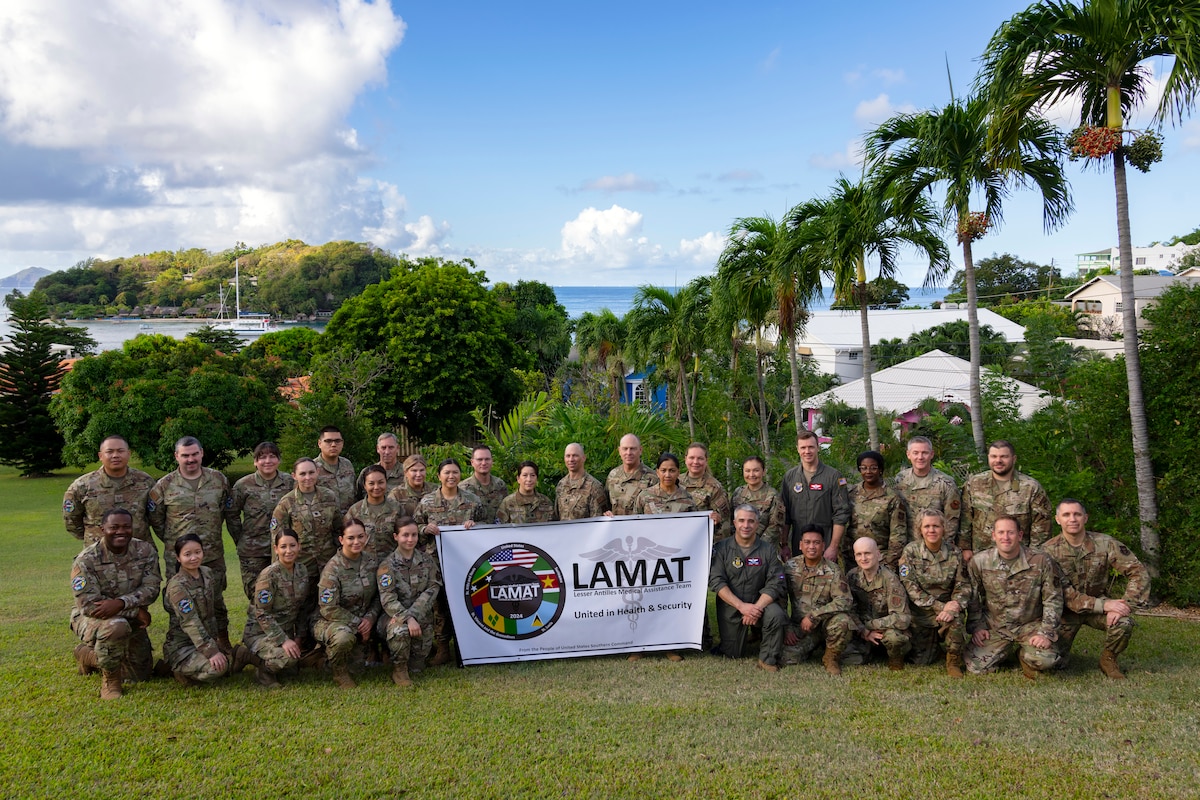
(578, 144)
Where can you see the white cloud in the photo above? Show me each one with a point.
(876, 110)
(704, 250)
(608, 238)
(851, 156)
(628, 182)
(128, 125)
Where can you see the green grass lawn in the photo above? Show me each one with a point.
(599, 727)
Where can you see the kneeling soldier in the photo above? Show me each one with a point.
(881, 605)
(1087, 559)
(747, 577)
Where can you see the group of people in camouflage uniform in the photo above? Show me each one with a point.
(974, 574)
(341, 568)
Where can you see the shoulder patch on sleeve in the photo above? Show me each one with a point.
(68, 505)
(229, 501)
(841, 481)
(264, 597)
(186, 606)
(151, 505)
(904, 570)
(78, 584)
(327, 596)
(385, 580)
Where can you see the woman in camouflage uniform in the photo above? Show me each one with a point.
(348, 602)
(526, 504)
(249, 521)
(877, 511)
(275, 624)
(766, 500)
(445, 505)
(378, 512)
(668, 497)
(199, 620)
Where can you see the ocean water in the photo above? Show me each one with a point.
(619, 299)
(575, 299)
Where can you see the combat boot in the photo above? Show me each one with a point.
(1027, 670)
(1108, 665)
(110, 688)
(442, 656)
(895, 663)
(832, 661)
(313, 659)
(239, 660)
(223, 643)
(341, 676)
(85, 657)
(954, 665)
(400, 675)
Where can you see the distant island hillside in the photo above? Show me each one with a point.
(24, 280)
(288, 279)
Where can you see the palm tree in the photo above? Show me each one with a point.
(1094, 53)
(744, 296)
(602, 336)
(858, 220)
(665, 329)
(913, 153)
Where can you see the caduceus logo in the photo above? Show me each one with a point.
(629, 560)
(514, 591)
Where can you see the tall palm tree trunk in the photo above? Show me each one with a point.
(860, 289)
(976, 392)
(1142, 465)
(686, 400)
(868, 385)
(762, 395)
(795, 367)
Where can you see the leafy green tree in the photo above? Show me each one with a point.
(293, 346)
(444, 332)
(1094, 52)
(225, 341)
(1065, 321)
(1047, 360)
(157, 389)
(30, 371)
(1001, 279)
(949, 148)
(861, 220)
(536, 323)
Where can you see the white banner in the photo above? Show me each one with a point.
(581, 588)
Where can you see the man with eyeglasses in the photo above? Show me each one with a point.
(334, 471)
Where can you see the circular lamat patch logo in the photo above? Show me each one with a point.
(514, 591)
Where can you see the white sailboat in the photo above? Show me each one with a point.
(251, 323)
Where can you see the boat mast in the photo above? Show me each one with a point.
(237, 286)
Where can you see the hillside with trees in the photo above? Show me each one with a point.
(286, 279)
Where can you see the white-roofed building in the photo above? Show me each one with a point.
(833, 339)
(900, 389)
(1099, 300)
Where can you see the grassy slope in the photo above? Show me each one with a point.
(575, 728)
